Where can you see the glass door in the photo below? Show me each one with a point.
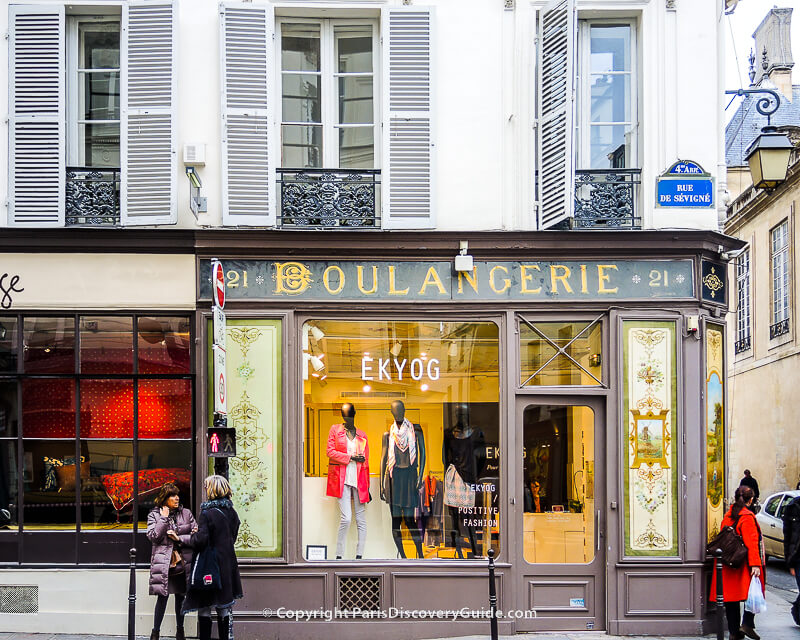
(560, 512)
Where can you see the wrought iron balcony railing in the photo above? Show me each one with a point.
(329, 198)
(92, 196)
(740, 346)
(779, 329)
(606, 199)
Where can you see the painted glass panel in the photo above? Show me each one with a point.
(715, 428)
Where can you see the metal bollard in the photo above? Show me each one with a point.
(720, 598)
(492, 596)
(132, 598)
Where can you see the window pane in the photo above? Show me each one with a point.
(159, 463)
(49, 476)
(354, 48)
(48, 408)
(106, 409)
(355, 100)
(302, 146)
(300, 44)
(356, 148)
(164, 345)
(610, 146)
(611, 97)
(558, 484)
(99, 48)
(301, 98)
(49, 345)
(540, 355)
(9, 414)
(610, 48)
(447, 374)
(8, 485)
(8, 344)
(100, 144)
(165, 409)
(107, 489)
(100, 99)
(106, 344)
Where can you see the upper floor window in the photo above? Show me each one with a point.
(328, 106)
(743, 302)
(607, 115)
(779, 241)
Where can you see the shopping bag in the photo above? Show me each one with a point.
(755, 597)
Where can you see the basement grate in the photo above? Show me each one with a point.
(362, 593)
(19, 599)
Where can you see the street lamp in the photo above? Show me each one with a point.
(768, 154)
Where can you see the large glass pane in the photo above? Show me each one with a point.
(107, 488)
(100, 144)
(301, 98)
(9, 478)
(300, 47)
(49, 345)
(159, 463)
(355, 100)
(543, 364)
(610, 146)
(48, 408)
(611, 97)
(100, 99)
(107, 409)
(165, 409)
(302, 146)
(106, 344)
(8, 345)
(426, 397)
(9, 413)
(610, 48)
(353, 48)
(558, 484)
(49, 477)
(164, 345)
(356, 148)
(99, 45)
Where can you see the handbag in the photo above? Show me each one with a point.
(456, 491)
(734, 551)
(176, 565)
(205, 571)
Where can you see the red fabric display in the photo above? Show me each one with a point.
(119, 486)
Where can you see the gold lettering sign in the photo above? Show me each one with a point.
(471, 278)
(493, 284)
(360, 271)
(603, 277)
(527, 276)
(326, 279)
(563, 277)
(291, 277)
(432, 277)
(393, 291)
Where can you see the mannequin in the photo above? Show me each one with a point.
(460, 448)
(348, 476)
(402, 468)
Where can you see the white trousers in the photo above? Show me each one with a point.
(349, 496)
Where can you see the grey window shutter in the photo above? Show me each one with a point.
(407, 176)
(36, 116)
(556, 112)
(148, 145)
(248, 168)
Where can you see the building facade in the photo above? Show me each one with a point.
(336, 157)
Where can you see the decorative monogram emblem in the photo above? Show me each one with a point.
(291, 277)
(713, 282)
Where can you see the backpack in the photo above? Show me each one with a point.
(734, 551)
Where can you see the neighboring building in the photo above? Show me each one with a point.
(762, 338)
(340, 155)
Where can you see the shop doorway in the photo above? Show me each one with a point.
(560, 514)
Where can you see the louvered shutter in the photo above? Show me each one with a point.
(556, 112)
(148, 149)
(36, 116)
(248, 174)
(408, 129)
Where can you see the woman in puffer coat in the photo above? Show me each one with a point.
(169, 527)
(736, 581)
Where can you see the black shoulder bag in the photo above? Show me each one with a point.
(734, 550)
(205, 569)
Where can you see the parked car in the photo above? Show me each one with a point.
(771, 520)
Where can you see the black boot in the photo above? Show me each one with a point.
(204, 627)
(224, 626)
(154, 635)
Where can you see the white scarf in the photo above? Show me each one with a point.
(402, 437)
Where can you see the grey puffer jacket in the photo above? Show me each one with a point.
(183, 523)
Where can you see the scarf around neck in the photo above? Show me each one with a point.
(404, 438)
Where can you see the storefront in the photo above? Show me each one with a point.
(549, 404)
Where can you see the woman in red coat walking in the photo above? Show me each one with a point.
(736, 581)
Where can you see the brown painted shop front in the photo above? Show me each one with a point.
(562, 404)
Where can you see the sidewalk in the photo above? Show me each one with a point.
(776, 624)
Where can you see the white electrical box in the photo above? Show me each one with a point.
(194, 153)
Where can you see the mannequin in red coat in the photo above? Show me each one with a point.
(348, 476)
(736, 581)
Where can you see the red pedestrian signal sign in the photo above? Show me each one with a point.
(222, 442)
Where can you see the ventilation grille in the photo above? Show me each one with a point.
(373, 394)
(361, 593)
(19, 599)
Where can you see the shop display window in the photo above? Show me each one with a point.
(164, 345)
(9, 481)
(401, 439)
(49, 345)
(8, 344)
(560, 353)
(558, 484)
(106, 344)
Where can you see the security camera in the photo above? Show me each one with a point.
(732, 255)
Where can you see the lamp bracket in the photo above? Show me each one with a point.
(764, 105)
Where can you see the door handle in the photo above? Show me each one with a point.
(597, 528)
(771, 525)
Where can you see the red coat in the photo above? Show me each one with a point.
(339, 458)
(736, 582)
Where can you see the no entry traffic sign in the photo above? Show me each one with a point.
(218, 283)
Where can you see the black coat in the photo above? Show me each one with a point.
(791, 532)
(218, 526)
(750, 481)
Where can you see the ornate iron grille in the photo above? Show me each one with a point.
(779, 328)
(19, 599)
(92, 196)
(742, 345)
(329, 198)
(359, 593)
(606, 199)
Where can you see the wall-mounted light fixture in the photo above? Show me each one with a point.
(463, 261)
(397, 347)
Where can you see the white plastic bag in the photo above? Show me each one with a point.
(755, 597)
